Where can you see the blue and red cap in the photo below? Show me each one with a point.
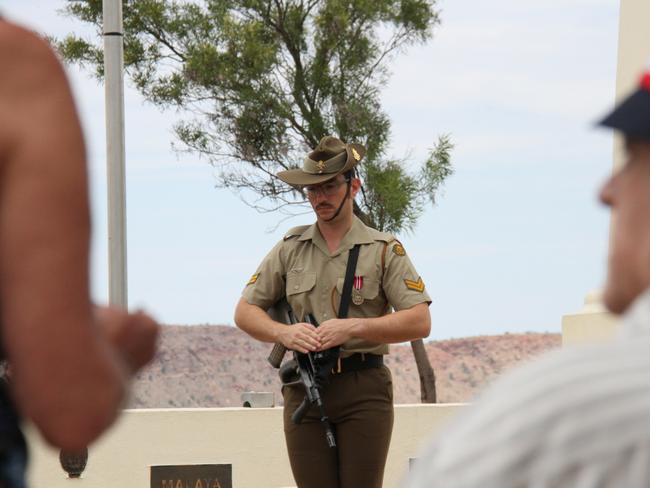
(632, 115)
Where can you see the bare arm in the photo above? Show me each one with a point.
(66, 376)
(256, 322)
(405, 325)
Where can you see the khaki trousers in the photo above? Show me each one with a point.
(359, 405)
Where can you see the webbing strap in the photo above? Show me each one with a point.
(347, 284)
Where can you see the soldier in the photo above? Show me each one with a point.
(307, 267)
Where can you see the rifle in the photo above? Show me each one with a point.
(314, 370)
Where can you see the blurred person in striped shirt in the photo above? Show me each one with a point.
(578, 417)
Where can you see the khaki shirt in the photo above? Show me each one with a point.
(301, 269)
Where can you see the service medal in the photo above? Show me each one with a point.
(357, 297)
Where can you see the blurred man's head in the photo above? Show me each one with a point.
(627, 192)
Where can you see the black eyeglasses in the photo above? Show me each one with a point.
(326, 189)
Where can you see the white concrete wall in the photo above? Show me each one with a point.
(251, 440)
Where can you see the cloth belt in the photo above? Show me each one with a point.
(358, 361)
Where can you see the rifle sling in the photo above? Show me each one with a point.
(346, 293)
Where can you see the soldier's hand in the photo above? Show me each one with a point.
(335, 332)
(301, 337)
(133, 335)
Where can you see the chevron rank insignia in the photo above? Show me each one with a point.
(415, 285)
(399, 249)
(253, 279)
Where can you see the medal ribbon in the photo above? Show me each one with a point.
(358, 282)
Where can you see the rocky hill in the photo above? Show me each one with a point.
(212, 365)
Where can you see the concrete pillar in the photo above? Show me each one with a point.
(592, 323)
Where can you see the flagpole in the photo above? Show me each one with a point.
(115, 152)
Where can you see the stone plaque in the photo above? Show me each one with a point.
(192, 476)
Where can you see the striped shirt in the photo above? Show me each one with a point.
(578, 417)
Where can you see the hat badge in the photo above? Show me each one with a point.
(321, 166)
(356, 155)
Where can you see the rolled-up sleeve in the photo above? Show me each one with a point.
(402, 284)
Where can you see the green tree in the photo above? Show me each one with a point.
(261, 81)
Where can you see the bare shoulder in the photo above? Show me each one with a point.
(30, 70)
(34, 92)
(23, 52)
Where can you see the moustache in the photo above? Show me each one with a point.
(323, 206)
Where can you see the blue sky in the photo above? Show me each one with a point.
(517, 239)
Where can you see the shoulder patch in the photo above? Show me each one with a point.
(296, 231)
(398, 249)
(253, 279)
(415, 285)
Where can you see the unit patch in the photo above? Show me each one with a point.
(253, 279)
(399, 249)
(415, 285)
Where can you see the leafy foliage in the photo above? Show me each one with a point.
(261, 81)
